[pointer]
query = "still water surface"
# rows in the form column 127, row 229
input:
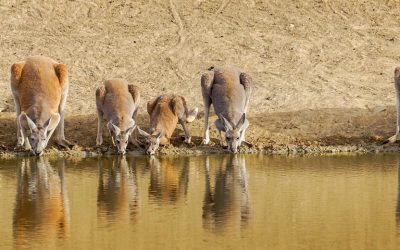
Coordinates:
column 214, row 202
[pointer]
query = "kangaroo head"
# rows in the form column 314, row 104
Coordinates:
column 120, row 138
column 39, row 134
column 233, row 132
column 152, row 140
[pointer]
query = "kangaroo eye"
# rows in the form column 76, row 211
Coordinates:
column 118, row 140
column 237, row 138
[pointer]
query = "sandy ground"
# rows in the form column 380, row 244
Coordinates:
column 322, row 70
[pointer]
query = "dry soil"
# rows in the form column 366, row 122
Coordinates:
column 322, row 70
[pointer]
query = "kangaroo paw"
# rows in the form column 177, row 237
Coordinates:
column 20, row 142
column 188, row 140
column 205, row 141
column 63, row 143
column 99, row 142
column 392, row 139
column 21, row 148
column 247, row 144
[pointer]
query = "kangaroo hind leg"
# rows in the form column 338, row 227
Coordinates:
column 16, row 72
column 62, row 74
column 178, row 108
column 207, row 80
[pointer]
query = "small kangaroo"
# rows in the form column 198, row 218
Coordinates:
column 165, row 112
column 118, row 103
column 40, row 88
column 396, row 137
column 228, row 89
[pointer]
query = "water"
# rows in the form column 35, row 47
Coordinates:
column 213, row 202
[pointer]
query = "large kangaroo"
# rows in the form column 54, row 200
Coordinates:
column 40, row 88
column 118, row 103
column 228, row 89
column 165, row 112
column 396, row 137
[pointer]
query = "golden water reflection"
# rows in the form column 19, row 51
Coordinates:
column 41, row 210
column 117, row 195
column 169, row 179
column 226, row 202
column 216, row 201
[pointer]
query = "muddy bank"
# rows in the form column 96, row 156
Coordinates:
column 308, row 131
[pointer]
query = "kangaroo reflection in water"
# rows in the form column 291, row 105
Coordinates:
column 227, row 203
column 41, row 207
column 398, row 198
column 169, row 179
column 117, row 192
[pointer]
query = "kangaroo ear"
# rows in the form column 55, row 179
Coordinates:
column 113, row 128
column 228, row 126
column 26, row 122
column 160, row 133
column 142, row 132
column 240, row 123
column 130, row 130
column 52, row 122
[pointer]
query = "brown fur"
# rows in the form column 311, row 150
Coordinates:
column 62, row 73
column 397, row 72
column 134, row 90
column 228, row 89
column 40, row 89
column 16, row 71
column 118, row 103
column 163, row 112
column 39, row 85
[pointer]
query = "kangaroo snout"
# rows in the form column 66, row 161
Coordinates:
column 233, row 149
column 150, row 152
column 38, row 152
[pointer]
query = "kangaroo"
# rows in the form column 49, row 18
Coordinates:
column 118, row 103
column 168, row 179
column 41, row 202
column 226, row 202
column 228, row 89
column 40, row 88
column 165, row 112
column 396, row 137
column 117, row 194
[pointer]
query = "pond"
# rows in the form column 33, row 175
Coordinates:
column 214, row 202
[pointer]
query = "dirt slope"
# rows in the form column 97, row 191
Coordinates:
column 322, row 70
